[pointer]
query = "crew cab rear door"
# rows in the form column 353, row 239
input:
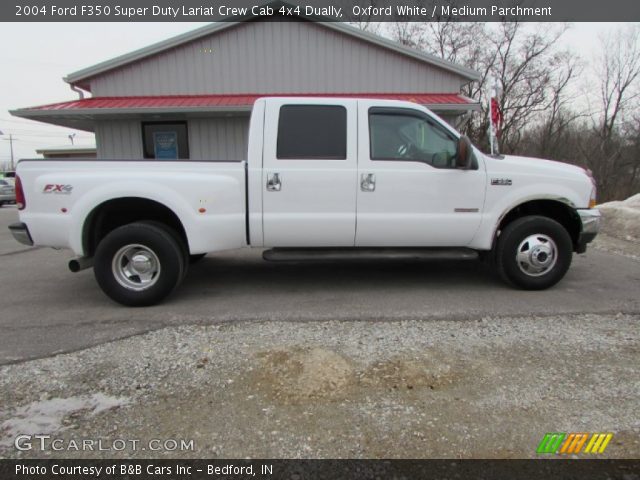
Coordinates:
column 410, row 193
column 309, row 172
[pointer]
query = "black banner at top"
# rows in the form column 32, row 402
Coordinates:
column 320, row 10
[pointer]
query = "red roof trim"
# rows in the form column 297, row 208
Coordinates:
column 239, row 100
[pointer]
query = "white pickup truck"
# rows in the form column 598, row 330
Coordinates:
column 325, row 178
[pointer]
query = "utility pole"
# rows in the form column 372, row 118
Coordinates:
column 12, row 165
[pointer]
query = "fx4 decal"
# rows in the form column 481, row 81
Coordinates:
column 57, row 188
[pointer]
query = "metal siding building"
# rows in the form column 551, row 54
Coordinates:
column 268, row 57
column 208, row 78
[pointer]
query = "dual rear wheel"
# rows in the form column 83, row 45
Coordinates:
column 141, row 263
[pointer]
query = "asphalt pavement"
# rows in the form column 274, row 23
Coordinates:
column 45, row 309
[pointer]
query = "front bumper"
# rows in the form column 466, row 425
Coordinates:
column 20, row 232
column 591, row 220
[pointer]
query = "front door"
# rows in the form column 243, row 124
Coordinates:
column 309, row 173
column 410, row 193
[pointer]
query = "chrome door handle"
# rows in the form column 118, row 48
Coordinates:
column 367, row 182
column 273, row 182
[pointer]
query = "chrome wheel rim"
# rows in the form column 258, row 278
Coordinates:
column 537, row 255
column 136, row 267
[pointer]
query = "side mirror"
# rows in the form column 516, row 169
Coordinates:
column 464, row 153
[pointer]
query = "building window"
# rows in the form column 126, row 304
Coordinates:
column 405, row 135
column 312, row 132
column 165, row 140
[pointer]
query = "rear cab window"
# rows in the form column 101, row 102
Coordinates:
column 313, row 132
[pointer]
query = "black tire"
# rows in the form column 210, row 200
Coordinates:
column 143, row 237
column 179, row 240
column 538, row 240
column 196, row 258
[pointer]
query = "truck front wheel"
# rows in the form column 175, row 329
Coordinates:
column 139, row 264
column 533, row 252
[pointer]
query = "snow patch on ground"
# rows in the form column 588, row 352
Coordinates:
column 622, row 218
column 47, row 416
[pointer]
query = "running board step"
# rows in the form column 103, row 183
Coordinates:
column 333, row 254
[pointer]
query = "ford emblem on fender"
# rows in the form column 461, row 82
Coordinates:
column 501, row 181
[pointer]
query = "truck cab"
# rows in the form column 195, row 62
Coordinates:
column 389, row 168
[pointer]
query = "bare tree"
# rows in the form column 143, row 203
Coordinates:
column 559, row 116
column 458, row 42
column 532, row 73
column 409, row 34
column 364, row 21
column 610, row 151
column 619, row 64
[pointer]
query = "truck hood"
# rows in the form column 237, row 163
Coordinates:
column 531, row 165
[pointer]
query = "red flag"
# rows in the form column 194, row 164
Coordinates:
column 496, row 116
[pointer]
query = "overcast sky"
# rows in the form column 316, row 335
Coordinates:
column 35, row 56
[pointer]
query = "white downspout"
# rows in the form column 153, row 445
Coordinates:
column 77, row 90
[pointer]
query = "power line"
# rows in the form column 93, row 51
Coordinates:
column 44, row 133
column 20, row 131
column 44, row 128
column 38, row 128
column 12, row 120
column 41, row 142
column 37, row 134
column 31, row 130
column 22, row 120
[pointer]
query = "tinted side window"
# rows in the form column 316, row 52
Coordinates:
column 312, row 132
column 403, row 136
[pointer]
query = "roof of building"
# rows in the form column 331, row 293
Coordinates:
column 192, row 102
column 80, row 113
column 78, row 78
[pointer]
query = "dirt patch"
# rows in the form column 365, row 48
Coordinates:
column 296, row 376
column 409, row 373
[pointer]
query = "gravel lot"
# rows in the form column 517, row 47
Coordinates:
column 485, row 388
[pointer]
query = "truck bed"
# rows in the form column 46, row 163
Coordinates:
column 209, row 197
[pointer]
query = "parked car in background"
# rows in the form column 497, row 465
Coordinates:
column 9, row 177
column 7, row 192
